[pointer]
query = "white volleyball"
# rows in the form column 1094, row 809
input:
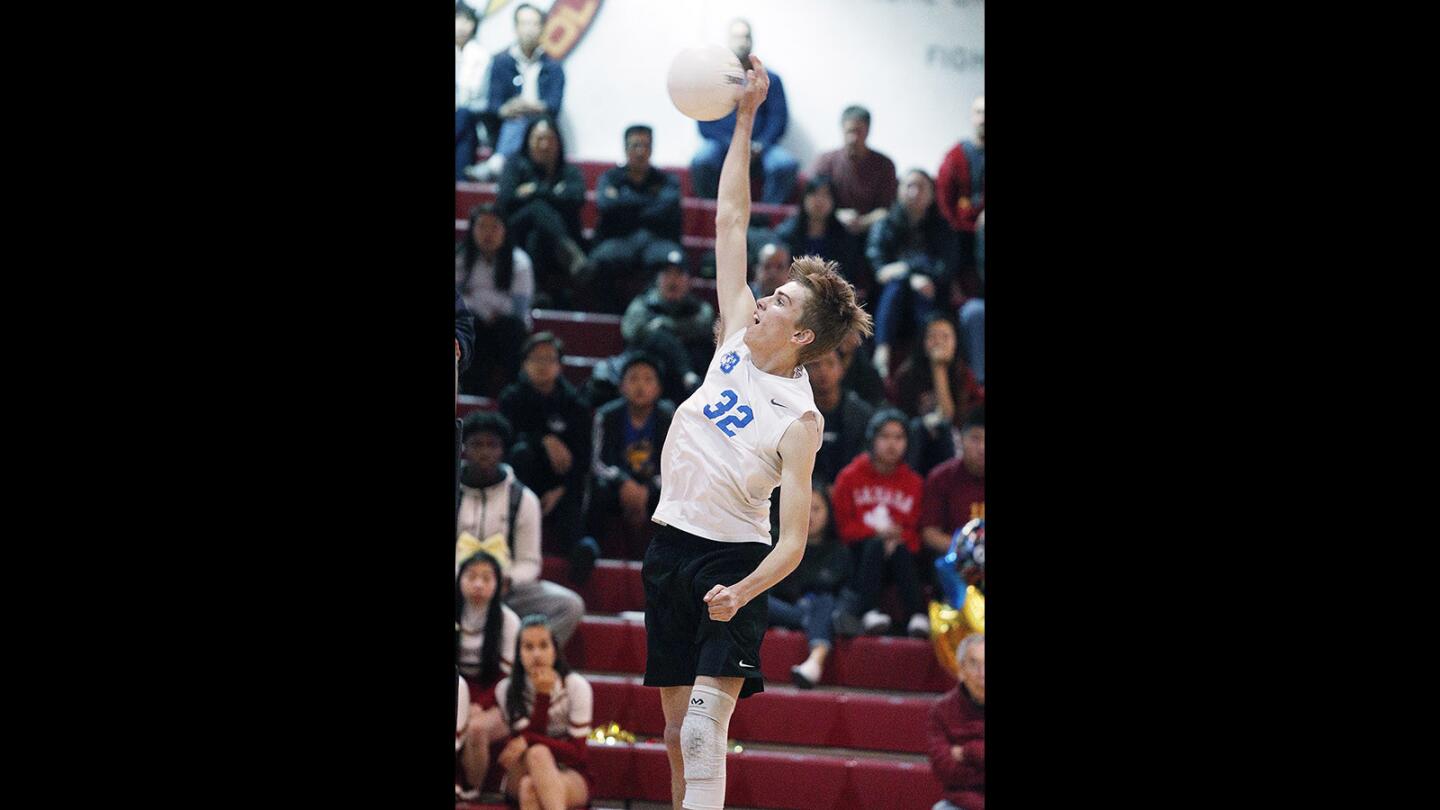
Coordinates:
column 705, row 82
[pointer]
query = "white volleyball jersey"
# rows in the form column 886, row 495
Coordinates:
column 722, row 454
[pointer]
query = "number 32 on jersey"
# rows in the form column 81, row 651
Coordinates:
column 719, row 409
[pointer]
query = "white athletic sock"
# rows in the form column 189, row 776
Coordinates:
column 702, row 745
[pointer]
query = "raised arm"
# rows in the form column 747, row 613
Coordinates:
column 732, row 211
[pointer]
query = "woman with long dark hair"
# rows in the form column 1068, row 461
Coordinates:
column 497, row 281
column 540, row 197
column 910, row 250
column 937, row 388
column 485, row 629
column 549, row 709
column 814, row 230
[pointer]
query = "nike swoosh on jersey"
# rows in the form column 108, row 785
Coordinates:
column 776, row 404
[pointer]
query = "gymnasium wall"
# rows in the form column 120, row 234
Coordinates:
column 916, row 64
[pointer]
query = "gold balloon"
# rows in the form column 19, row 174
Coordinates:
column 611, row 734
column 949, row 626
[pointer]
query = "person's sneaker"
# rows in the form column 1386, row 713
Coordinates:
column 845, row 623
column 919, row 626
column 876, row 623
column 582, row 559
column 805, row 677
column 463, row 795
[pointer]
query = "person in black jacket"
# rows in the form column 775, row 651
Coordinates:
column 552, row 440
column 845, row 413
column 911, row 251
column 627, row 439
column 806, row 599
column 814, row 230
column 639, row 226
column 540, row 197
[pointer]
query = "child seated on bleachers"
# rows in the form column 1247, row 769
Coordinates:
column 805, row 600
column 548, row 709
column 485, row 629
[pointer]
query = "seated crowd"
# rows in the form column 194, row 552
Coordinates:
column 554, row 466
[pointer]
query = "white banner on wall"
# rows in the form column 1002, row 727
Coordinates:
column 915, row 64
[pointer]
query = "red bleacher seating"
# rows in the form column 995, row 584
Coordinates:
column 585, row 334
column 783, row 715
column 612, row 644
column 771, row 779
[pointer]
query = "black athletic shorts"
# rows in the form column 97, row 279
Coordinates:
column 681, row 639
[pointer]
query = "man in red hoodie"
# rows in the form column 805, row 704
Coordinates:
column 957, row 732
column 876, row 500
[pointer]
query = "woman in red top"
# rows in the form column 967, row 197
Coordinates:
column 549, row 709
column 935, row 386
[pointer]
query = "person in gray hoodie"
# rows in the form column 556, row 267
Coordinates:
column 493, row 501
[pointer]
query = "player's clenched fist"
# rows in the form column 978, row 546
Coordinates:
column 724, row 603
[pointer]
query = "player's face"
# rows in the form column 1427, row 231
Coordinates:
column 485, row 451
column 972, row 671
column 544, row 146
column 637, row 151
column 890, row 443
column 825, row 372
column 972, row 444
column 542, row 366
column 536, row 650
column 478, row 584
column 464, row 29
column 489, row 233
column 527, row 28
column 855, row 131
column 819, row 203
column 641, row 386
column 819, row 516
column 777, row 316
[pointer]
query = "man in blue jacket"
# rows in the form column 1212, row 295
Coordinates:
column 525, row 83
column 780, row 166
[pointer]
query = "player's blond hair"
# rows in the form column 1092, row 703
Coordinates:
column 831, row 311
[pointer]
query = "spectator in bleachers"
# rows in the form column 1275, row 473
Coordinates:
column 464, row 334
column 669, row 308
column 526, row 83
column 541, row 196
column 815, row 230
column 552, row 448
column 909, row 250
column 865, row 181
column 860, row 373
column 639, row 225
column 772, row 268
column 470, row 60
column 934, row 387
column 549, row 709
column 846, row 417
column 497, row 281
column 493, row 501
column 778, row 165
column 485, row 634
column 957, row 732
column 877, row 507
column 805, row 600
column 629, row 435
column 960, row 187
column 954, row 490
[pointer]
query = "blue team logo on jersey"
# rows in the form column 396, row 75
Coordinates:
column 728, row 361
